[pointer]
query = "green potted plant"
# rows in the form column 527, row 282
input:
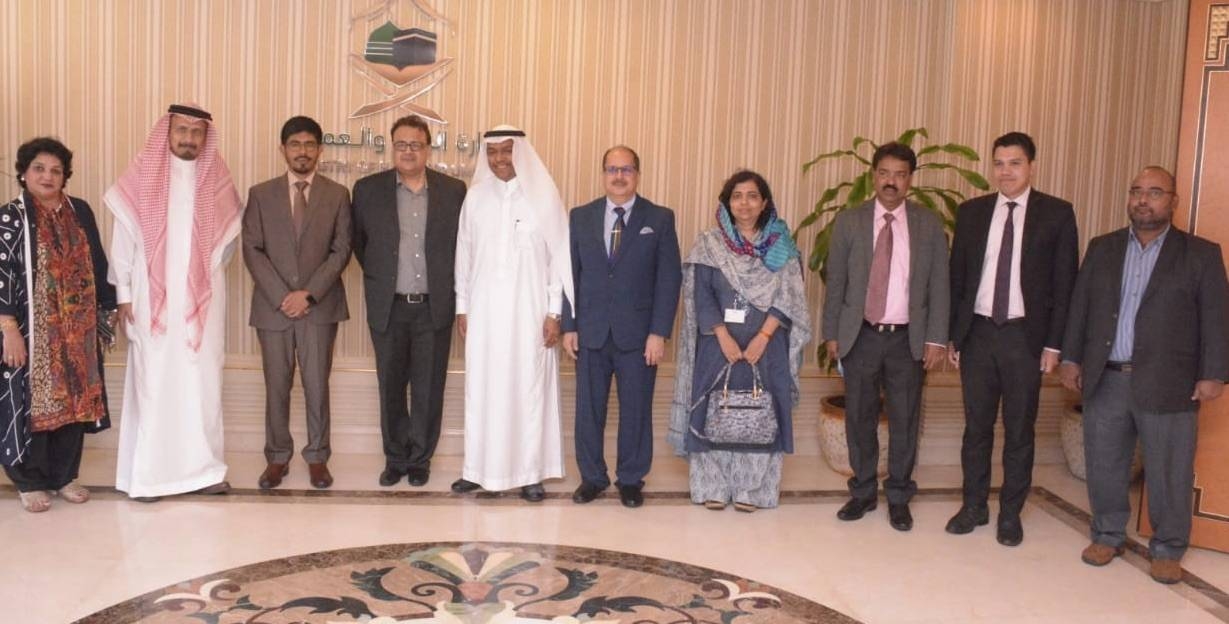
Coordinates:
column 850, row 193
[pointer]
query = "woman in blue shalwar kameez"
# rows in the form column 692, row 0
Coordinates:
column 743, row 299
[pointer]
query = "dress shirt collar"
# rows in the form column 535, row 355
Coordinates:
column 1021, row 200
column 1156, row 242
column 627, row 206
column 898, row 215
column 293, row 177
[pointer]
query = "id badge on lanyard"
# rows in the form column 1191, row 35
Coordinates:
column 737, row 313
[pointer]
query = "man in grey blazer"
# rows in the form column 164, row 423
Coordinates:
column 296, row 242
column 885, row 320
column 405, row 238
column 1145, row 345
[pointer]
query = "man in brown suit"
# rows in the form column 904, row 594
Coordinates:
column 296, row 242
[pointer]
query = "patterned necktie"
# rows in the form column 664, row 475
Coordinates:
column 1002, row 271
column 616, row 232
column 299, row 210
column 881, row 272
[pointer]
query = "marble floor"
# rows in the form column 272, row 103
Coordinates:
column 74, row 561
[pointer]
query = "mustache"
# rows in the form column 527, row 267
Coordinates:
column 890, row 187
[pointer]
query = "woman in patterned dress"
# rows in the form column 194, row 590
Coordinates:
column 53, row 290
column 743, row 299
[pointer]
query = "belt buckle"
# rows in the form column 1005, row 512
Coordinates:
column 414, row 297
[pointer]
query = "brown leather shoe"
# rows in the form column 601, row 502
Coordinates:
column 320, row 476
column 1167, row 571
column 221, row 487
column 1099, row 554
column 272, row 476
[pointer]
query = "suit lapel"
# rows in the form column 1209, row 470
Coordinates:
column 1166, row 262
column 983, row 214
column 1118, row 256
column 1032, row 220
column 314, row 200
column 914, row 219
column 281, row 209
column 632, row 232
column 596, row 213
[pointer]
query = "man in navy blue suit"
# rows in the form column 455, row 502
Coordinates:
column 627, row 272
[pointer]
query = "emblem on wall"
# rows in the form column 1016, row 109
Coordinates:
column 401, row 63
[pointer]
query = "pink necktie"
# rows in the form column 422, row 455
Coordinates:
column 881, row 271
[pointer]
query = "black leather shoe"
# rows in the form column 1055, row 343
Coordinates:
column 390, row 476
column 586, row 493
column 533, row 493
column 967, row 519
column 631, row 496
column 418, row 477
column 1011, row 532
column 899, row 517
column 856, row 508
column 461, row 486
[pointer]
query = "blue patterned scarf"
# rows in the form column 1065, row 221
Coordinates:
column 775, row 246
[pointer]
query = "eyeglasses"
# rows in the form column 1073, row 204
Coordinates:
column 1152, row 194
column 626, row 170
column 307, row 146
column 413, row 146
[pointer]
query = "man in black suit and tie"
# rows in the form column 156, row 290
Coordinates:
column 885, row 319
column 1145, row 344
column 405, row 238
column 296, row 242
column 627, row 273
column 1014, row 259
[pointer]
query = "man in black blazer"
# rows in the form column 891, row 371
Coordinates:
column 405, row 238
column 627, row 273
column 1145, row 344
column 1014, row 260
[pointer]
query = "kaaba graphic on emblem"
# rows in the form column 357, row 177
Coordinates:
column 402, row 63
column 400, row 48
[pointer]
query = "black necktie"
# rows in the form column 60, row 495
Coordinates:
column 616, row 232
column 1002, row 272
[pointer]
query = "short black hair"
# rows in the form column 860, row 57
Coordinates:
column 413, row 121
column 43, row 145
column 747, row 175
column 896, row 150
column 635, row 156
column 298, row 124
column 1019, row 139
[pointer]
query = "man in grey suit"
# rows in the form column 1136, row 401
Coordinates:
column 885, row 319
column 1145, row 344
column 405, row 238
column 296, row 242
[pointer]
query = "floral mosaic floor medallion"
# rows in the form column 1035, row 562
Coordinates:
column 469, row 583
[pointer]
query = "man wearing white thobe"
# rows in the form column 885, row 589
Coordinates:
column 177, row 217
column 512, row 269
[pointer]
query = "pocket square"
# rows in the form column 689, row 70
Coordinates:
column 646, row 230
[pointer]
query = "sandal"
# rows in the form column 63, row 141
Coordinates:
column 714, row 505
column 74, row 493
column 35, row 502
column 744, row 507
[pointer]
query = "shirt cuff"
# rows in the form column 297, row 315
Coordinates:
column 123, row 294
column 462, row 305
column 1052, row 350
column 935, row 344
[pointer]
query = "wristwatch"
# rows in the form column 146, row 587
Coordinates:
column 311, row 300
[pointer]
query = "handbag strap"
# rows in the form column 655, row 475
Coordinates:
column 723, row 379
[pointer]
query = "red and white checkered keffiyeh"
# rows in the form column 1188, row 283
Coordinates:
column 144, row 188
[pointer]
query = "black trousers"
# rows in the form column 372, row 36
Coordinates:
column 52, row 459
column 411, row 353
column 880, row 364
column 997, row 367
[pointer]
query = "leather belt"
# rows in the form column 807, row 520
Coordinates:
column 983, row 317
column 1122, row 367
column 886, row 327
column 414, row 297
